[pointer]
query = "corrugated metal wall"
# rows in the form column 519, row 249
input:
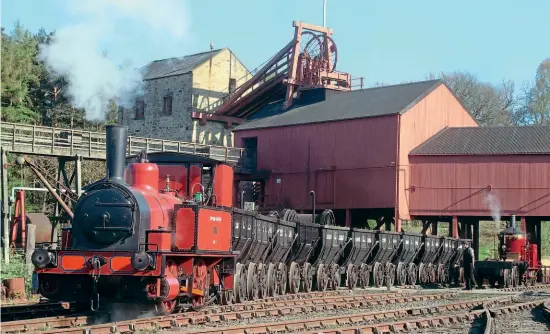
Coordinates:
column 455, row 185
column 436, row 111
column 350, row 164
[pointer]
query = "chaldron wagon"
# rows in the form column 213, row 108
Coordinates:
column 411, row 245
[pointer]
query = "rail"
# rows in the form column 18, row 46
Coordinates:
column 41, row 140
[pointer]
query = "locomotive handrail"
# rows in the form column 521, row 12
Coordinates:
column 43, row 140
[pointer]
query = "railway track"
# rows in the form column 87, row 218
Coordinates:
column 280, row 307
column 34, row 310
column 224, row 314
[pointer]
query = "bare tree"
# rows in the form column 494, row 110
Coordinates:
column 490, row 104
column 535, row 107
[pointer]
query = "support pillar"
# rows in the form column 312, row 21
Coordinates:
column 348, row 218
column 5, row 208
column 469, row 234
column 523, row 225
column 397, row 225
column 388, row 225
column 453, row 230
column 475, row 239
column 538, row 228
column 434, row 228
column 30, row 243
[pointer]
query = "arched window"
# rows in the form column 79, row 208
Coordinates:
column 140, row 109
column 167, row 106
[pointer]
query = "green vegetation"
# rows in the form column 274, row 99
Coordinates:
column 18, row 268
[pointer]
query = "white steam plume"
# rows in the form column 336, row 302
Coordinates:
column 77, row 51
column 492, row 203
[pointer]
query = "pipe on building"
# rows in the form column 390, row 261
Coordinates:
column 312, row 193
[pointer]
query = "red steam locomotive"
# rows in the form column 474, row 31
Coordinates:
column 142, row 241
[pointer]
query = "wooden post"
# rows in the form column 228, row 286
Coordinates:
column 78, row 175
column 348, row 218
column 475, row 239
column 5, row 208
column 30, row 245
column 454, row 227
column 434, row 227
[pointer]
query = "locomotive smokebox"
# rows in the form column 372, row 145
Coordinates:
column 117, row 137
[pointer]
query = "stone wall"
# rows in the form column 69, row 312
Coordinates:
column 194, row 91
column 178, row 125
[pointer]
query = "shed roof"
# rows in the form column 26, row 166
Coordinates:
column 371, row 102
column 487, row 141
column 176, row 66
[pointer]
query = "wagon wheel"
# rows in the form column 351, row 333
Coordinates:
column 351, row 274
column 401, row 274
column 272, row 283
column 227, row 297
column 364, row 276
column 412, row 274
column 322, row 278
column 307, row 279
column 378, row 274
column 515, row 276
column 252, row 283
column 262, row 280
column 390, row 270
column 282, row 278
column 335, row 277
column 422, row 273
column 294, row 278
column 441, row 274
column 239, row 284
column 507, row 278
column 430, row 273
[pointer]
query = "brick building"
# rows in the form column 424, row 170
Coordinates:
column 174, row 88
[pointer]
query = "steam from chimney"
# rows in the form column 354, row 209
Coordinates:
column 492, row 203
column 77, row 50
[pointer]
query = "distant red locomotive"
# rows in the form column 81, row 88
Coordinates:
column 141, row 240
column 517, row 263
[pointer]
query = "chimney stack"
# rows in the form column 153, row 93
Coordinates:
column 117, row 137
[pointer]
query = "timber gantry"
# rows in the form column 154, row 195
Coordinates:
column 41, row 140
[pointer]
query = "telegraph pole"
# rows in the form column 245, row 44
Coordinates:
column 325, row 13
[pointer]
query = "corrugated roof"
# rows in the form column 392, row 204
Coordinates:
column 487, row 141
column 363, row 103
column 175, row 66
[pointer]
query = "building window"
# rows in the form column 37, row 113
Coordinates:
column 167, row 107
column 232, row 85
column 140, row 109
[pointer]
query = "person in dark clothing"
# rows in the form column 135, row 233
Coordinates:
column 468, row 260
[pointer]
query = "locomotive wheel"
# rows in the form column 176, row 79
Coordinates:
column 239, row 284
column 252, row 284
column 351, row 273
column 515, row 276
column 165, row 307
column 262, row 280
column 378, row 274
column 282, row 278
column 294, row 277
column 272, row 284
column 390, row 271
column 401, row 274
column 335, row 277
column 364, row 276
column 507, row 278
column 412, row 274
column 200, row 281
column 322, row 278
column 307, row 281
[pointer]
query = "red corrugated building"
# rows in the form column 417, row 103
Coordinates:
column 352, row 148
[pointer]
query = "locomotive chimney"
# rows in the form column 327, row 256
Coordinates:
column 116, row 152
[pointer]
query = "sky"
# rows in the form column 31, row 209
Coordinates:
column 383, row 41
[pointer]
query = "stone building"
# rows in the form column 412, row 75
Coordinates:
column 174, row 88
